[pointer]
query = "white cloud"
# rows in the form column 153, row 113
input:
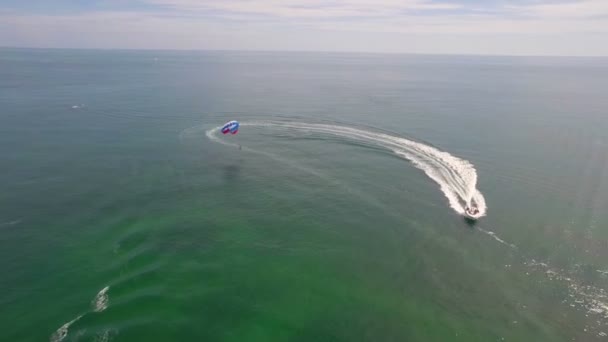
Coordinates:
column 306, row 9
column 338, row 25
column 574, row 9
column 404, row 17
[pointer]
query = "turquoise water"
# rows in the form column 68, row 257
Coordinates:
column 124, row 216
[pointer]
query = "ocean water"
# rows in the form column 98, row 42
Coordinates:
column 334, row 215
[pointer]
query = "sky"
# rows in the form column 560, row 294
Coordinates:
column 486, row 27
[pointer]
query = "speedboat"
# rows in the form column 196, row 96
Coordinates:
column 471, row 212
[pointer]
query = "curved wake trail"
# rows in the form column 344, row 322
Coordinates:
column 456, row 177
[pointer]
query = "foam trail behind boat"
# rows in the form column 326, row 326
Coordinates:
column 456, row 177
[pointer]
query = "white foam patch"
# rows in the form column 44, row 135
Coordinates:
column 592, row 299
column 62, row 332
column 212, row 135
column 104, row 336
column 456, row 177
column 101, row 300
column 497, row 238
column 99, row 304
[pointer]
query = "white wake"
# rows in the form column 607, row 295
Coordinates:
column 101, row 300
column 456, row 177
column 99, row 304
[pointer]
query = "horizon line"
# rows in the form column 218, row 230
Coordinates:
column 302, row 51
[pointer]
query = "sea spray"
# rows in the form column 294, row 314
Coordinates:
column 99, row 304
